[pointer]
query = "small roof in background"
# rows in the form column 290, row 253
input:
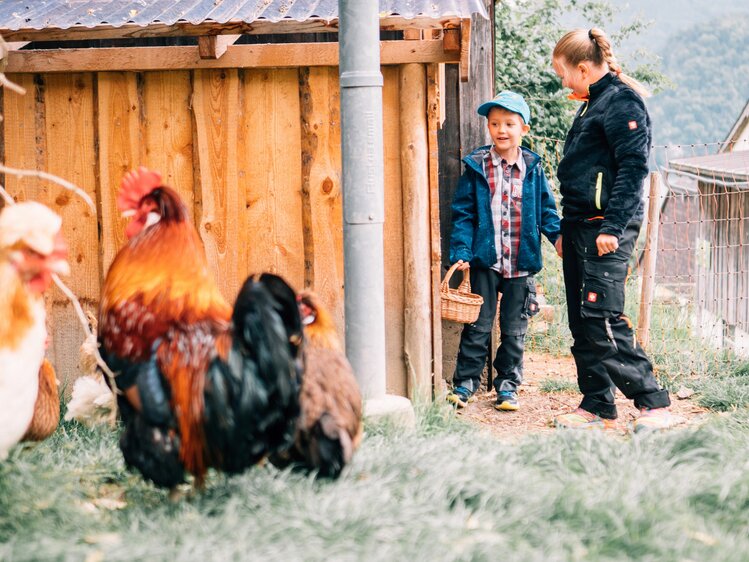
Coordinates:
column 734, row 139
column 724, row 168
column 65, row 14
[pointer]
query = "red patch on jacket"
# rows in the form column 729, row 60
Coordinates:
column 592, row 297
column 632, row 125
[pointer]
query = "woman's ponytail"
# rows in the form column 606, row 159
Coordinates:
column 594, row 46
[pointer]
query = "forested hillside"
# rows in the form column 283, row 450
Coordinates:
column 709, row 67
column 669, row 17
column 703, row 47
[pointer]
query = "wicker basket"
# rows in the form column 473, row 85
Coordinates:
column 459, row 305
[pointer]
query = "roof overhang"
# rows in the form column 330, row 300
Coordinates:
column 186, row 29
column 727, row 169
column 736, row 132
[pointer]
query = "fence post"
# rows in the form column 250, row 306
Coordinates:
column 649, row 260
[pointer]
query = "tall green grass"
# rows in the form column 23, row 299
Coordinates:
column 441, row 492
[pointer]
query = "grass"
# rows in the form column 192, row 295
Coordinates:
column 553, row 386
column 725, row 392
column 441, row 492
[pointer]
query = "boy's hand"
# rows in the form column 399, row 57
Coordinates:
column 606, row 243
column 558, row 246
column 462, row 265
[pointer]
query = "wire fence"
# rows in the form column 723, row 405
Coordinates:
column 691, row 305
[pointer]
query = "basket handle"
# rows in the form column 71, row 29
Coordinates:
column 465, row 285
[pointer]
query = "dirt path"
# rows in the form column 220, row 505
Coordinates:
column 537, row 409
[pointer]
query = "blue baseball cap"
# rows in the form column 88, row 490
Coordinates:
column 509, row 101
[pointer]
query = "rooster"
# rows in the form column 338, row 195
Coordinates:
column 329, row 427
column 201, row 384
column 31, row 250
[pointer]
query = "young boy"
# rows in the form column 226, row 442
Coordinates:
column 501, row 206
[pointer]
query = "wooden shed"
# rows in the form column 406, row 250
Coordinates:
column 722, row 247
column 236, row 102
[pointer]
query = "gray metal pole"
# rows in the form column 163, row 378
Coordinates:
column 363, row 192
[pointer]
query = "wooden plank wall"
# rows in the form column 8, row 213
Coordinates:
column 255, row 154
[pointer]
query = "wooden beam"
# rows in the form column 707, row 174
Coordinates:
column 213, row 46
column 465, row 49
column 435, row 111
column 451, row 40
column 16, row 45
column 413, row 34
column 417, row 278
column 237, row 56
column 183, row 29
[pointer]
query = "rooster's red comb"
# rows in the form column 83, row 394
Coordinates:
column 135, row 185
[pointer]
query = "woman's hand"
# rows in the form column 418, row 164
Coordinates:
column 462, row 265
column 558, row 246
column 606, row 243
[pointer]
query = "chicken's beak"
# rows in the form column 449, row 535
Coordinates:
column 307, row 313
column 57, row 261
column 59, row 266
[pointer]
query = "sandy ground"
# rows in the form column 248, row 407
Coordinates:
column 537, row 409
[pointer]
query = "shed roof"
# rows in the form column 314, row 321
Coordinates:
column 738, row 131
column 727, row 168
column 17, row 15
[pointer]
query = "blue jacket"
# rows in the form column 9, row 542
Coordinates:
column 472, row 238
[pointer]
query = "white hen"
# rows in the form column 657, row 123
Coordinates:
column 31, row 249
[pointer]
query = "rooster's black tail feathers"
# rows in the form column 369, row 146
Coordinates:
column 251, row 399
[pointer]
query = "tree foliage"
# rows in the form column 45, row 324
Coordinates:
column 526, row 32
column 708, row 65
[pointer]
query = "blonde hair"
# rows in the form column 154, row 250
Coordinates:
column 580, row 45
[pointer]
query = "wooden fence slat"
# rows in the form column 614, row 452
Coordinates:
column 20, row 139
column 393, row 234
column 69, row 117
column 222, row 223
column 322, row 154
column 270, row 172
column 649, row 260
column 168, row 131
column 119, row 152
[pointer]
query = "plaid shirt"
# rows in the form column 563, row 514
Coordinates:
column 506, row 186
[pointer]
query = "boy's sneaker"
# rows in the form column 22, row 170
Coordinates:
column 460, row 397
column 655, row 419
column 507, row 400
column 582, row 419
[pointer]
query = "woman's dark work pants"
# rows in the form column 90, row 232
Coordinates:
column 517, row 304
column 604, row 346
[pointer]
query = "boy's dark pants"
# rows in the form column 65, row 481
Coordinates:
column 604, row 347
column 518, row 296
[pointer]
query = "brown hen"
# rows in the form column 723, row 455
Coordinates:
column 47, row 406
column 329, row 427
